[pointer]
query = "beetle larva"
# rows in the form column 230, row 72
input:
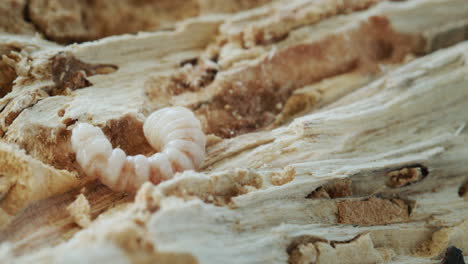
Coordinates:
column 175, row 131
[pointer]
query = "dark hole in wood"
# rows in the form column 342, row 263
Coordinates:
column 453, row 255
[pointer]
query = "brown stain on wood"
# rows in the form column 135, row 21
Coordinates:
column 70, row 73
column 373, row 211
column 335, row 189
column 250, row 99
column 406, row 176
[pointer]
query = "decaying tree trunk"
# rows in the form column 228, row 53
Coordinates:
column 336, row 130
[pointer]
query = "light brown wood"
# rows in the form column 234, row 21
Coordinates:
column 336, row 133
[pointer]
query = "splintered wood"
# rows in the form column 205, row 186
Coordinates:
column 335, row 130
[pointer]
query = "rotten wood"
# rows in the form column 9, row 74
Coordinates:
column 336, row 131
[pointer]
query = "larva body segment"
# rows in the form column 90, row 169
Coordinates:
column 174, row 131
column 161, row 167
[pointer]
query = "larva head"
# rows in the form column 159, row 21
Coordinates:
column 164, row 121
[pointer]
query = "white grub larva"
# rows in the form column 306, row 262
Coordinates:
column 174, row 131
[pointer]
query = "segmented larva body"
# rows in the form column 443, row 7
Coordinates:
column 174, row 131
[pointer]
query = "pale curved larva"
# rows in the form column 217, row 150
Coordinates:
column 174, row 131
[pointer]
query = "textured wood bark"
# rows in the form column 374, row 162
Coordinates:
column 336, row 131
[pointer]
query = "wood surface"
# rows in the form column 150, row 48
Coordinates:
column 336, row 130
